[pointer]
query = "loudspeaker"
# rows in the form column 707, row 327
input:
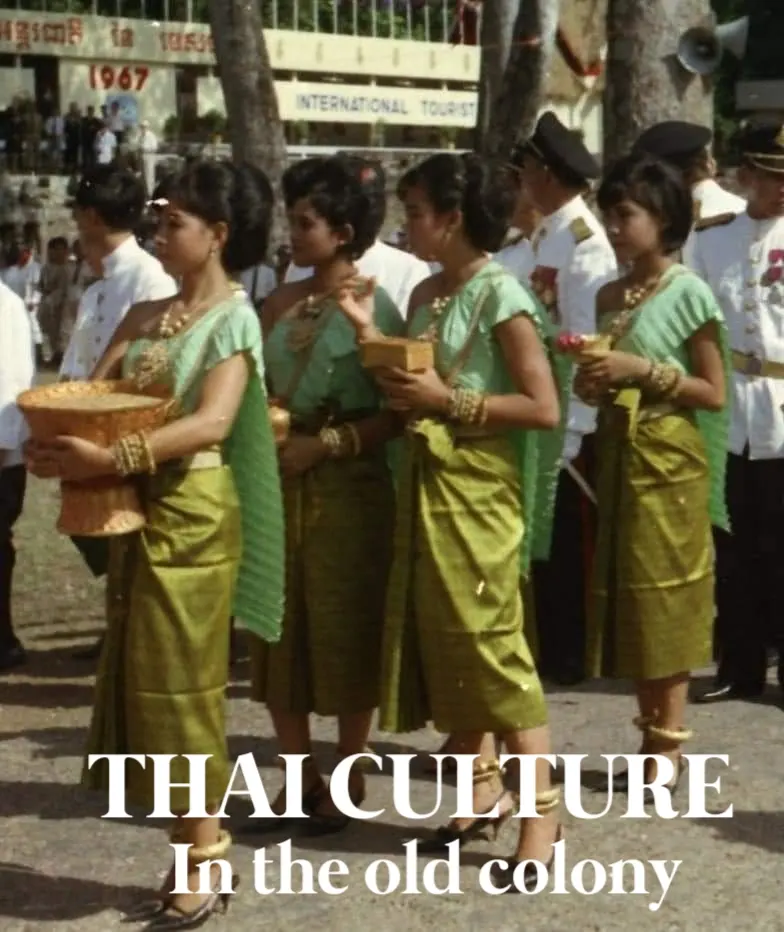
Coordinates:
column 700, row 49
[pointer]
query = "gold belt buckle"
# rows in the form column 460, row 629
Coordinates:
column 753, row 365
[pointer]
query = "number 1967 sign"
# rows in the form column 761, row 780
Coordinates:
column 129, row 78
column 147, row 90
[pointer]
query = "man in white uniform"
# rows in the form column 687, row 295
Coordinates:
column 105, row 146
column 517, row 254
column 148, row 150
column 23, row 277
column 17, row 370
column 397, row 272
column 741, row 256
column 107, row 207
column 572, row 259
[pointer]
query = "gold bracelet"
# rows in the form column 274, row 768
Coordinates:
column 132, row 455
column 354, row 438
column 663, row 381
column 467, row 406
column 150, row 466
column 334, row 441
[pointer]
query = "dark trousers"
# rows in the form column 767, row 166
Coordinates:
column 749, row 566
column 561, row 583
column 12, row 491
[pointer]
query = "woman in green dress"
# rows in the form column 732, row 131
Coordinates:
column 214, row 535
column 337, row 485
column 468, row 515
column 662, row 445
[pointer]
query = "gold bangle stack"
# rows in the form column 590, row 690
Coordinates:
column 132, row 455
column 341, row 442
column 468, row 407
column 663, row 381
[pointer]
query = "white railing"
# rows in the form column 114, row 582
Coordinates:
column 424, row 20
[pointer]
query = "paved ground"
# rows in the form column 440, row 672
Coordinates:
column 62, row 867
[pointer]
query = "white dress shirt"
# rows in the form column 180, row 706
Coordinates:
column 105, row 147
column 742, row 261
column 397, row 272
column 25, row 281
column 518, row 259
column 571, row 249
column 710, row 200
column 259, row 282
column 130, row 275
column 17, row 371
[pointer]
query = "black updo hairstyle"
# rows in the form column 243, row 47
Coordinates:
column 658, row 187
column 485, row 192
column 338, row 191
column 218, row 191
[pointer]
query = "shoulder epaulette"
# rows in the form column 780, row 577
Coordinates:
column 720, row 220
column 514, row 240
column 580, row 230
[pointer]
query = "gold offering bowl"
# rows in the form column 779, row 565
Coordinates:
column 102, row 412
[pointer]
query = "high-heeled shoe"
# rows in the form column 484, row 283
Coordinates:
column 620, row 781
column 546, row 802
column 310, row 799
column 446, row 834
column 448, row 765
column 674, row 738
column 149, row 909
column 174, row 918
column 331, row 823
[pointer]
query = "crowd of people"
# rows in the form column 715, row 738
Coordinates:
column 426, row 545
column 36, row 137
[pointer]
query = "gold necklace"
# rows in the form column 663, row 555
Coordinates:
column 154, row 362
column 634, row 295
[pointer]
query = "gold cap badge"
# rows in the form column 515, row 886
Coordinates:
column 779, row 140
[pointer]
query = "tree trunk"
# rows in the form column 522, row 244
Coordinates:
column 645, row 83
column 254, row 124
column 523, row 89
column 498, row 20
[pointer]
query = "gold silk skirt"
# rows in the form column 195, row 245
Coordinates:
column 652, row 600
column 163, row 672
column 454, row 648
column 339, row 521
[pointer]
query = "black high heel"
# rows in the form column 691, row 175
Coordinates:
column 172, row 918
column 673, row 738
column 149, row 909
column 504, row 876
column 310, row 799
column 620, row 781
column 332, row 823
column 446, row 834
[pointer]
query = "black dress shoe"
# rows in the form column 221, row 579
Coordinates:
column 12, row 657
column 727, row 693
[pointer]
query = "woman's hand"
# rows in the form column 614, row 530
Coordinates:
column 420, row 391
column 613, row 368
column 68, row 458
column 299, row 455
column 356, row 299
